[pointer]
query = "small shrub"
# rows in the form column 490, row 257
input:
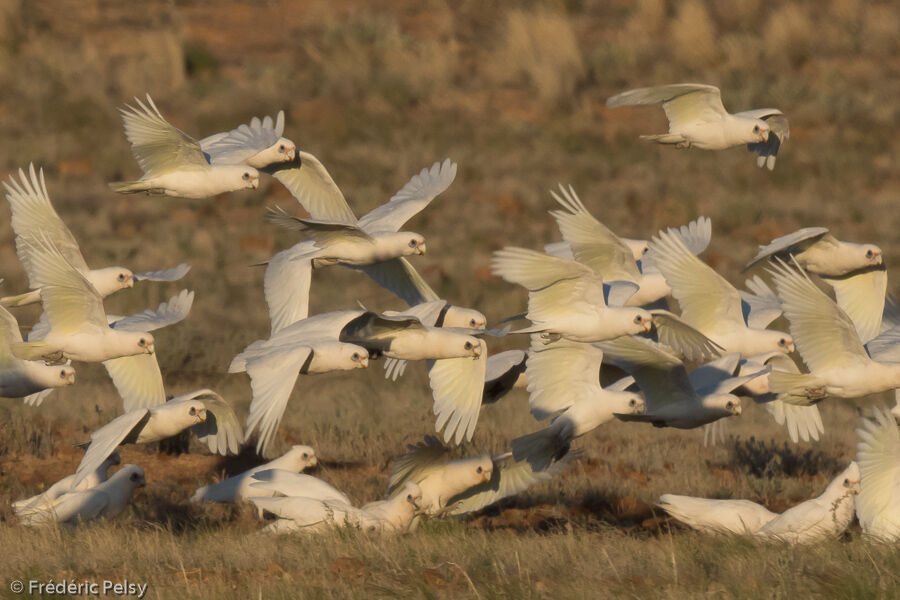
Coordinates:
column 768, row 459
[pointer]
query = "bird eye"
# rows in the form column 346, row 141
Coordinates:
column 846, row 483
column 472, row 323
column 409, row 497
column 869, row 254
column 245, row 176
column 122, row 275
column 305, row 455
column 142, row 342
column 638, row 320
column 193, row 411
column 468, row 346
column 355, row 356
column 281, row 148
column 782, row 342
column 756, row 129
column 632, row 402
column 729, row 405
column 134, row 476
column 62, row 373
column 479, row 470
column 413, row 243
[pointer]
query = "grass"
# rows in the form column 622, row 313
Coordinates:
column 516, row 94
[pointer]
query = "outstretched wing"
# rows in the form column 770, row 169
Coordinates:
column 309, row 182
column 243, row 142
column 104, row 441
column 221, row 432
column 878, row 455
column 417, row 463
column 458, row 385
column 167, row 313
column 173, row 274
column 157, row 145
column 787, row 244
column 684, row 103
column 412, row 198
column 861, row 295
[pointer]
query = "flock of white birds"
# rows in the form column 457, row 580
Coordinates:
column 597, row 307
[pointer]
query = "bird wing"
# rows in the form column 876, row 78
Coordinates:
column 672, row 331
column 104, row 441
column 410, row 199
column 823, row 333
column 788, row 243
column 167, row 313
column 33, row 216
column 288, row 483
column 886, row 346
column 458, row 385
column 861, row 296
column 287, row 283
column 235, row 146
column 708, row 302
column 138, row 380
column 158, row 146
column 760, row 305
column 508, row 478
column 221, row 431
column 559, row 374
column 592, row 242
column 69, row 299
column 500, row 364
column 421, row 459
column 878, row 455
column 398, row 276
column 9, row 334
column 323, row 232
column 315, row 190
column 661, row 376
column 684, row 103
column 696, row 235
column 272, row 378
column 173, row 274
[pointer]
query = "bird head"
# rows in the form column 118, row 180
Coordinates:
column 784, row 343
column 472, row 347
column 249, row 178
column 304, row 457
column 760, row 131
column 457, row 316
column 629, row 403
column 286, row 149
column 413, row 494
column 872, row 254
column 642, row 320
column 145, row 343
column 197, row 411
column 67, row 375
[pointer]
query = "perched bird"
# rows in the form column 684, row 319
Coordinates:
column 373, row 243
column 878, row 455
column 206, row 413
column 105, row 500
column 65, row 486
column 27, row 379
column 78, row 325
column 698, row 119
column 709, row 303
column 829, row 344
column 173, row 162
column 717, row 516
column 673, row 397
column 258, row 144
column 826, row 516
column 34, row 217
column 311, row 515
column 235, row 488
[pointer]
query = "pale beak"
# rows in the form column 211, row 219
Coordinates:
column 291, row 153
column 879, row 259
column 151, row 348
column 202, row 415
column 477, row 350
column 738, row 409
column 254, row 182
column 486, row 476
column 420, row 249
column 364, row 362
column 790, row 347
column 130, row 282
column 648, row 325
column 313, row 462
column 764, row 135
column 640, row 409
column 70, row 380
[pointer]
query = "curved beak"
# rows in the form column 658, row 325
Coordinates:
column 202, row 415
column 130, row 282
column 291, row 152
column 648, row 325
column 151, row 348
column 313, row 462
column 477, row 351
column 70, row 379
column 420, row 249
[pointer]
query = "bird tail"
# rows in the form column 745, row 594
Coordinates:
column 664, row 138
column 129, row 187
column 540, row 448
column 30, row 350
column 797, row 388
column 22, row 299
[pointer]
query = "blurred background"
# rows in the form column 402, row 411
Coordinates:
column 513, row 91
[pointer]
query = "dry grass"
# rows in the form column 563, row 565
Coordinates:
column 377, row 93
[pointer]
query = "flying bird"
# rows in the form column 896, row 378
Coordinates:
column 204, row 412
column 29, row 379
column 173, row 162
column 878, row 455
column 819, row 252
column 698, row 119
column 373, row 243
column 33, row 216
column 258, row 144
